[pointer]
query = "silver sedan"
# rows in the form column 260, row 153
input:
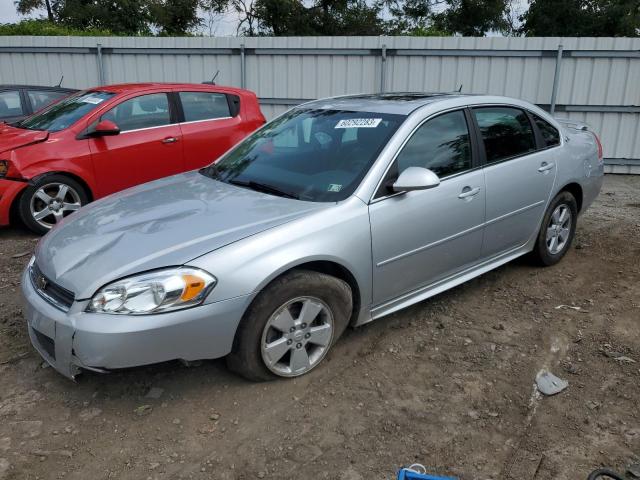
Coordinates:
column 339, row 212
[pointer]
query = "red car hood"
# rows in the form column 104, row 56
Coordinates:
column 12, row 138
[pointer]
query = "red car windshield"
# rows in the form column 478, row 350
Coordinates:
column 65, row 113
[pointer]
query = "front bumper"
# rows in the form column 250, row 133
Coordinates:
column 9, row 190
column 75, row 340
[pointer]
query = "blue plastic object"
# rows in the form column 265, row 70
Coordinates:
column 407, row 474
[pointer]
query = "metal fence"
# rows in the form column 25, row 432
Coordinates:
column 596, row 80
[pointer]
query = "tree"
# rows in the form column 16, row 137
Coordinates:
column 123, row 17
column 174, row 17
column 582, row 18
column 473, row 18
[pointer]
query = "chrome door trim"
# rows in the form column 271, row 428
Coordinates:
column 147, row 128
column 205, row 120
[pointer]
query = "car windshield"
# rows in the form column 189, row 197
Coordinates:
column 314, row 155
column 65, row 113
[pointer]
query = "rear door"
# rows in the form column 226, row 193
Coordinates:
column 210, row 125
column 147, row 148
column 519, row 177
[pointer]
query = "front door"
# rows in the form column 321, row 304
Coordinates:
column 519, row 178
column 148, row 147
column 421, row 237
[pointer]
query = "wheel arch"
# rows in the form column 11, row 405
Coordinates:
column 71, row 175
column 574, row 189
column 328, row 267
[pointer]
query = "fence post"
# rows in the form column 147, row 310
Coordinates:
column 101, row 79
column 383, row 68
column 556, row 81
column 242, row 67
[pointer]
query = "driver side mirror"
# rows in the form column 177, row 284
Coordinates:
column 105, row 128
column 415, row 178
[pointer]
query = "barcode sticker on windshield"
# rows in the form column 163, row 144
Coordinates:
column 93, row 100
column 359, row 123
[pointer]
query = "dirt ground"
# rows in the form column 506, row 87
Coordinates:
column 448, row 383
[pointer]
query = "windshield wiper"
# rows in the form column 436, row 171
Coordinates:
column 263, row 187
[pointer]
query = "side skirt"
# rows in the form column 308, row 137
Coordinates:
column 428, row 291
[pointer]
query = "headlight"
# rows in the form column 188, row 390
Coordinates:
column 4, row 168
column 154, row 292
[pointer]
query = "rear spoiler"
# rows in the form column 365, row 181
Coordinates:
column 574, row 124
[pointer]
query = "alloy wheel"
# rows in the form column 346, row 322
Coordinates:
column 52, row 202
column 559, row 229
column 297, row 336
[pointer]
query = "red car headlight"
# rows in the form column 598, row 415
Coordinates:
column 4, row 168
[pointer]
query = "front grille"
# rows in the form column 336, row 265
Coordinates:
column 46, row 343
column 55, row 294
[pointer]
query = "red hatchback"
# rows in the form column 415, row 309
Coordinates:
column 106, row 139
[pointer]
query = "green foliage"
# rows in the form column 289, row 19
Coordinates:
column 46, row 28
column 472, row 18
column 174, row 17
column 582, row 18
column 333, row 17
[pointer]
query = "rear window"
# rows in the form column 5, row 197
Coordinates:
column 550, row 135
column 204, row 106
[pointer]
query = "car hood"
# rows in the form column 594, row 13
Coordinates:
column 159, row 224
column 12, row 138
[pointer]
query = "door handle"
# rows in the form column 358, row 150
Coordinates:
column 169, row 140
column 545, row 167
column 468, row 192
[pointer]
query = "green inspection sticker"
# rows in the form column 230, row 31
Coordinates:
column 334, row 187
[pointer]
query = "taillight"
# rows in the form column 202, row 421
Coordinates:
column 600, row 153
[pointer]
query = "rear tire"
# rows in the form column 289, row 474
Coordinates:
column 557, row 230
column 50, row 199
column 290, row 326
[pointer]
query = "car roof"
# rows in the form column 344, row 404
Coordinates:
column 137, row 87
column 39, row 87
column 402, row 103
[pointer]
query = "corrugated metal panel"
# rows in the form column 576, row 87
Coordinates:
column 595, row 72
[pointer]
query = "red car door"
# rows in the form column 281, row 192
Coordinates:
column 211, row 126
column 148, row 147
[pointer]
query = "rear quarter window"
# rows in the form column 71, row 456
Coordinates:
column 550, row 135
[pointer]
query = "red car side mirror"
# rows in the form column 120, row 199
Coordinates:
column 106, row 128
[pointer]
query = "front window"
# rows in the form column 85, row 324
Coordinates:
column 145, row 111
column 66, row 112
column 314, row 155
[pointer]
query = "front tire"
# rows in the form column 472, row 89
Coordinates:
column 50, row 199
column 290, row 326
column 557, row 230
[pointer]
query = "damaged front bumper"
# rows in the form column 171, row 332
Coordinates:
column 73, row 340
